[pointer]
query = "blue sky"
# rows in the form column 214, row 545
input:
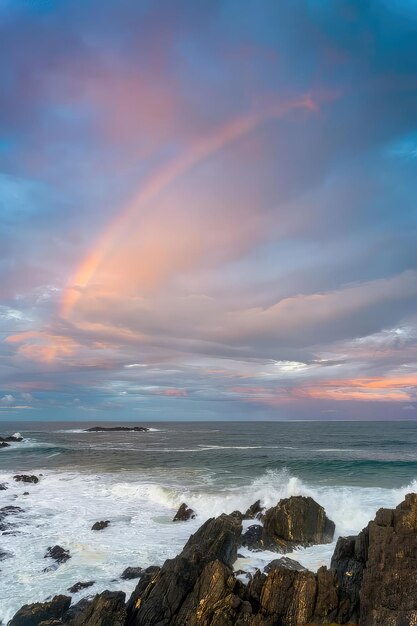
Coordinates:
column 208, row 210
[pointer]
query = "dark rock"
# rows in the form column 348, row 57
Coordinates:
column 24, row 478
column 348, row 562
column 12, row 438
column 252, row 538
column 5, row 512
column 79, row 586
column 286, row 562
column 202, row 570
column 25, row 493
column 59, row 554
column 296, row 521
column 184, row 513
column 388, row 594
column 5, row 555
column 105, row 609
column 255, row 511
column 100, row 525
column 3, row 486
column 132, row 572
column 35, row 614
column 76, row 609
column 117, row 429
column 3, row 444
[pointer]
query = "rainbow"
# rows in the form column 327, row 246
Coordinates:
column 160, row 180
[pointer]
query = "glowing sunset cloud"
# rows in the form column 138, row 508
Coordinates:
column 160, row 180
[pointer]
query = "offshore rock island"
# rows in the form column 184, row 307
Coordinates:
column 370, row 582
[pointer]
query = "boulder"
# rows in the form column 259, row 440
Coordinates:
column 184, row 513
column 296, row 521
column 3, row 444
column 105, row 609
column 16, row 437
column 35, row 614
column 81, row 585
column 58, row 554
column 388, row 595
column 131, row 572
column 25, row 478
column 100, row 525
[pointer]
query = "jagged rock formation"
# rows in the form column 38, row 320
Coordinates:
column 371, row 582
column 388, row 594
column 100, row 525
column 25, row 478
column 184, row 513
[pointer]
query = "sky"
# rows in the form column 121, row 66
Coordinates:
column 208, row 210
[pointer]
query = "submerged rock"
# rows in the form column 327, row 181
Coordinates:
column 16, row 437
column 25, row 478
column 81, row 585
column 59, row 554
column 3, row 444
column 131, row 572
column 100, row 525
column 184, row 513
column 3, row 486
column 5, row 512
column 35, row 614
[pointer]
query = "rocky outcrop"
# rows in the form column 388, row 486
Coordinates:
column 3, row 444
column 106, row 609
column 175, row 595
column 371, row 582
column 100, row 525
column 184, row 513
column 5, row 513
column 117, row 429
column 132, row 572
column 35, row 614
column 14, row 438
column 25, row 478
column 388, row 594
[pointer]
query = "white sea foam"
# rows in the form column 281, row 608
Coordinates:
column 63, row 506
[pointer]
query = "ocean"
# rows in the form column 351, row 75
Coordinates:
column 137, row 480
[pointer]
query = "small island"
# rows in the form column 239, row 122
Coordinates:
column 105, row 429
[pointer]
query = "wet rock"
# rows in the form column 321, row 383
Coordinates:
column 286, row 562
column 100, row 525
column 117, row 429
column 3, row 486
column 348, row 562
column 184, row 513
column 132, row 572
column 35, row 614
column 59, row 554
column 388, row 594
column 5, row 512
column 5, row 555
column 105, row 609
column 196, row 578
column 255, row 511
column 81, row 585
column 3, row 444
column 252, row 538
column 296, row 521
column 14, row 438
column 25, row 478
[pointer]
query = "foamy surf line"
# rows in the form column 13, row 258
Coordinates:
column 64, row 505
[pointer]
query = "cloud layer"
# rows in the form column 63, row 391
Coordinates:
column 208, row 212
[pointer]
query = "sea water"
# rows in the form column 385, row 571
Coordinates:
column 137, row 480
